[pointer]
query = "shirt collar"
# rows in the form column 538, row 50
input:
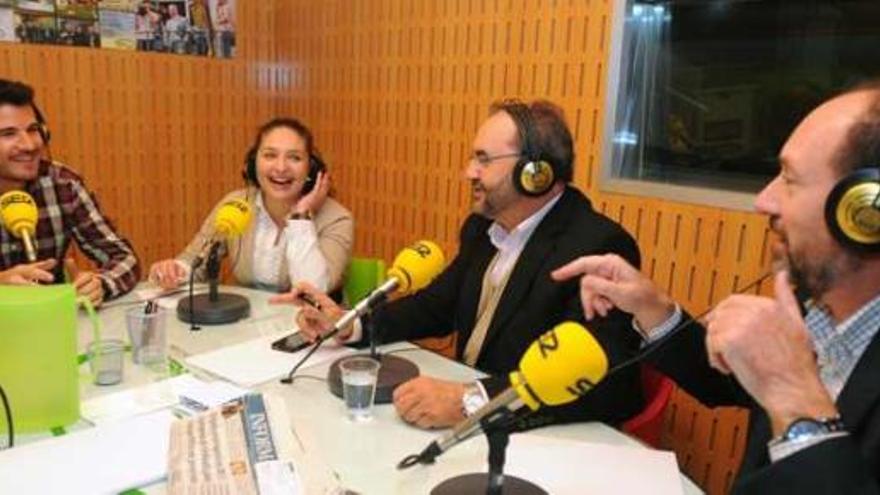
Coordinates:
column 262, row 214
column 855, row 333
column 504, row 240
column 34, row 185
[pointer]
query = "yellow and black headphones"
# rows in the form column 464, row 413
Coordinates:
column 533, row 174
column 852, row 210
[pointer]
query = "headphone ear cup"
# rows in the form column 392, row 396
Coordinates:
column 852, row 213
column 316, row 166
column 250, row 167
column 45, row 135
column 533, row 177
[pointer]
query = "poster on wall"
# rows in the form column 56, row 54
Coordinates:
column 34, row 26
column 76, row 23
column 78, row 9
column 183, row 27
column 7, row 22
column 45, row 6
column 223, row 24
column 117, row 29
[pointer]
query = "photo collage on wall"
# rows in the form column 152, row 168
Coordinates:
column 186, row 27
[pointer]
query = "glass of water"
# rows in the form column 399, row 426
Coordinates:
column 359, row 375
column 105, row 357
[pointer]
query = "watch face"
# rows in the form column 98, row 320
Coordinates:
column 804, row 427
column 472, row 401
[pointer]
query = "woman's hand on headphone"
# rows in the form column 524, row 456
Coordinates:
column 313, row 201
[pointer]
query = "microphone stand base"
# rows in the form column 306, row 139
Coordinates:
column 392, row 372
column 228, row 308
column 478, row 483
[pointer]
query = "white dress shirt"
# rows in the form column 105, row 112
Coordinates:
column 297, row 242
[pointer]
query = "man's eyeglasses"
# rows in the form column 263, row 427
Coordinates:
column 484, row 159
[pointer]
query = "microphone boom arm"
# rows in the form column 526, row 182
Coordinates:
column 363, row 307
column 499, row 408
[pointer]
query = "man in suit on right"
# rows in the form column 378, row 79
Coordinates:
column 811, row 374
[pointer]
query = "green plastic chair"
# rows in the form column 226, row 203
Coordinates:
column 363, row 275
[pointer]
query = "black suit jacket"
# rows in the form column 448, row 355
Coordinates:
column 531, row 304
column 846, row 465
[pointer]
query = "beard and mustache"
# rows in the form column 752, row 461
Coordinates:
column 813, row 273
column 493, row 200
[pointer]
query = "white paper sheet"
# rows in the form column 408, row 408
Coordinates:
column 254, row 362
column 159, row 395
column 128, row 403
column 106, row 459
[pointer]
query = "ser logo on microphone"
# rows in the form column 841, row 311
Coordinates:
column 548, row 342
column 421, row 249
column 239, row 205
column 12, row 199
column 580, row 387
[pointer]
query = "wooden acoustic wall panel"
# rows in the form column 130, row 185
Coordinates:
column 395, row 89
column 159, row 138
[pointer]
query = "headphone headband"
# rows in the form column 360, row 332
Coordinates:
column 533, row 175
column 316, row 166
column 44, row 127
column 522, row 117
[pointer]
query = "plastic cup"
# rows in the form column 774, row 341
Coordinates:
column 105, row 358
column 359, row 386
column 148, row 336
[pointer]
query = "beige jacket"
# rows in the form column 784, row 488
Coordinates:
column 334, row 225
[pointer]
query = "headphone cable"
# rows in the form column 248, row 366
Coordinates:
column 8, row 410
column 289, row 378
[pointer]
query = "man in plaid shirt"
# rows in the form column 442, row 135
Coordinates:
column 67, row 210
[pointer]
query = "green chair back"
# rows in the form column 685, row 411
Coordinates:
column 38, row 363
column 363, row 275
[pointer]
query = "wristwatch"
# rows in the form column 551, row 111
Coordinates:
column 472, row 399
column 805, row 428
column 301, row 215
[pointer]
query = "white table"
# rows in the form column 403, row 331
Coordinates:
column 362, row 455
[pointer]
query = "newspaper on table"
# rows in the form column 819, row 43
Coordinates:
column 243, row 447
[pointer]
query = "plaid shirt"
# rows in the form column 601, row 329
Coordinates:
column 838, row 350
column 839, row 347
column 68, row 210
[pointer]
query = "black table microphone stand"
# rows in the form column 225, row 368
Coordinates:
column 212, row 308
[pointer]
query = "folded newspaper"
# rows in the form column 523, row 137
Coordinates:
column 243, row 447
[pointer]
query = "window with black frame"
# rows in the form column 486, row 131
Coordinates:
column 703, row 93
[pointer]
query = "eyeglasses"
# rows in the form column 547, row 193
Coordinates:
column 484, row 159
